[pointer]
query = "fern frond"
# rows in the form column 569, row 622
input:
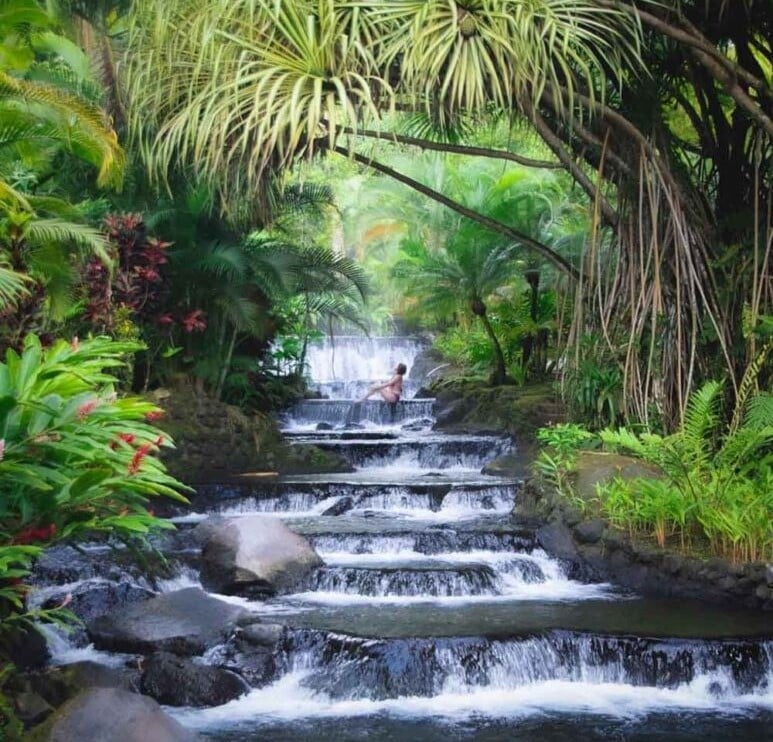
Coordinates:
column 701, row 420
column 748, row 385
column 759, row 411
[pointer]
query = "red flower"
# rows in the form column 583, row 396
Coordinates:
column 151, row 275
column 139, row 455
column 87, row 408
column 127, row 438
column 32, row 535
column 165, row 319
column 154, row 415
column 195, row 321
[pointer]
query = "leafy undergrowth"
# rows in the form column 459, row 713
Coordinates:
column 710, row 491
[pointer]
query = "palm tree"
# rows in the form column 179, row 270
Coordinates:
column 241, row 89
column 467, row 270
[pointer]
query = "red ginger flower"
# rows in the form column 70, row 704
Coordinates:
column 195, row 321
column 139, row 455
column 154, row 415
column 87, row 408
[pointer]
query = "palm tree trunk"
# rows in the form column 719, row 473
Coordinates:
column 500, row 369
column 226, row 365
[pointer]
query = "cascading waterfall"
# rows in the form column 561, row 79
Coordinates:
column 432, row 605
column 436, row 616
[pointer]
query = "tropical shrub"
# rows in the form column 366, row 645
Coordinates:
column 75, row 459
column 556, row 462
column 717, row 480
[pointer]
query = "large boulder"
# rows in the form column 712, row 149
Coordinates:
column 93, row 598
column 111, row 715
column 596, row 467
column 509, row 465
column 178, row 681
column 184, row 622
column 257, row 556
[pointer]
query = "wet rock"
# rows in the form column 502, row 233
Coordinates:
column 255, row 661
column 31, row 708
column 324, row 426
column 262, row 634
column 94, row 598
column 111, row 715
column 26, row 648
column 257, row 556
column 509, row 465
column 184, row 622
column 309, row 459
column 339, row 507
column 178, row 681
column 590, row 531
column 556, row 539
column 418, row 425
column 58, row 684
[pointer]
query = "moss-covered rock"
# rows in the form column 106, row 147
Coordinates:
column 596, row 467
column 471, row 405
column 215, row 442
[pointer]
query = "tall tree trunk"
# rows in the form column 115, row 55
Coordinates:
column 499, row 375
column 226, row 365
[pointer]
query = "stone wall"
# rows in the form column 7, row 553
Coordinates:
column 597, row 550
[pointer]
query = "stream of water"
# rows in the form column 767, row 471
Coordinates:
column 436, row 617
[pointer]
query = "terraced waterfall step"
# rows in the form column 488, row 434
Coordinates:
column 436, row 617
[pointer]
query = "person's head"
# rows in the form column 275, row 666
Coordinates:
column 401, row 369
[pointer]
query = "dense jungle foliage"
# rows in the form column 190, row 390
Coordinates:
column 197, row 189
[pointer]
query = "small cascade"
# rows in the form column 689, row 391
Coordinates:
column 309, row 413
column 343, row 367
column 349, row 668
column 411, row 581
column 418, row 452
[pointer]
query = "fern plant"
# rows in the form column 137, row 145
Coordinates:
column 717, row 480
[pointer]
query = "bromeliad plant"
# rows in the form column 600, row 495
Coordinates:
column 75, row 459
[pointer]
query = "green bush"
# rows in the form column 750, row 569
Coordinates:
column 75, row 459
column 717, row 481
column 556, row 461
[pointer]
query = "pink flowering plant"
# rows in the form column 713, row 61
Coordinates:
column 75, row 458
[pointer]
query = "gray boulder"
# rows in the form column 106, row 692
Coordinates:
column 97, row 597
column 111, row 715
column 256, row 556
column 184, row 622
column 178, row 681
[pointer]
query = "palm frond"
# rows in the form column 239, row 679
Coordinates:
column 60, row 232
column 13, row 286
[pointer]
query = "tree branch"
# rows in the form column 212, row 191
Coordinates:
column 529, row 243
column 553, row 141
column 693, row 39
column 459, row 149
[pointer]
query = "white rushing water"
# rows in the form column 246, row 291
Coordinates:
column 290, row 699
column 350, row 360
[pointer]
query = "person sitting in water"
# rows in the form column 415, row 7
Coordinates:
column 392, row 390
